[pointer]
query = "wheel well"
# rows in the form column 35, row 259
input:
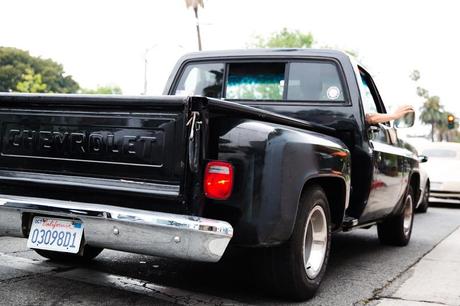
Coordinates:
column 415, row 184
column 335, row 190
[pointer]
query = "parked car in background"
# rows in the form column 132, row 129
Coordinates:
column 443, row 168
column 424, row 199
column 414, row 146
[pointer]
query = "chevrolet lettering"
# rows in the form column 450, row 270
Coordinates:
column 74, row 142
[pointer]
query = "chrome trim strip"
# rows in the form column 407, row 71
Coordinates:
column 131, row 230
column 94, row 183
column 392, row 149
column 81, row 160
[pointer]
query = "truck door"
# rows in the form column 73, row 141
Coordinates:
column 387, row 180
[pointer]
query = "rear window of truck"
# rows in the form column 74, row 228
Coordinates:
column 202, row 80
column 315, row 81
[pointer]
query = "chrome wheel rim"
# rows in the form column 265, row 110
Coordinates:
column 315, row 241
column 408, row 215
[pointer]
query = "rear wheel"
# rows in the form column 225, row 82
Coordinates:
column 89, row 253
column 423, row 208
column 397, row 230
column 297, row 267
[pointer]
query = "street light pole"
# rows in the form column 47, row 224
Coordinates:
column 146, row 63
column 145, row 66
column 145, row 72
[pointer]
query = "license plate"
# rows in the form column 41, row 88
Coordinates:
column 55, row 235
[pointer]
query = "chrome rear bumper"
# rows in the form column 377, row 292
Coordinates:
column 123, row 229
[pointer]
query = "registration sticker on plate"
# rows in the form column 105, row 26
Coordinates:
column 55, row 235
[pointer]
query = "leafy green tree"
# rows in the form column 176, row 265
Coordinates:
column 31, row 82
column 432, row 113
column 103, row 90
column 284, row 39
column 14, row 65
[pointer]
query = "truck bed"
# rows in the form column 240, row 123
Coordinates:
column 86, row 147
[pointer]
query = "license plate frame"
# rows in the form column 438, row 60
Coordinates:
column 55, row 234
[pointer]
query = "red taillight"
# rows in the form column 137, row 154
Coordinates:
column 218, row 180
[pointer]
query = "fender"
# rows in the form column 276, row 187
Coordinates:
column 414, row 181
column 272, row 165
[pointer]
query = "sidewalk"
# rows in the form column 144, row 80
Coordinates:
column 434, row 280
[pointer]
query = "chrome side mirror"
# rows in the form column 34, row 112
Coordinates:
column 406, row 121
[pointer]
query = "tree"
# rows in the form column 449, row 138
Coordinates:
column 432, row 113
column 103, row 90
column 15, row 64
column 284, row 39
column 415, row 75
column 195, row 4
column 31, row 82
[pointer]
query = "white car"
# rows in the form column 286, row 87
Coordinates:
column 443, row 168
column 423, row 201
column 414, row 145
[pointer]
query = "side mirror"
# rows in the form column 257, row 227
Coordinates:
column 406, row 121
column 422, row 158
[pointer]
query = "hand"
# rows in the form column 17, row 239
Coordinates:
column 402, row 110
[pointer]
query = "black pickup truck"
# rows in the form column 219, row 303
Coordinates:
column 254, row 148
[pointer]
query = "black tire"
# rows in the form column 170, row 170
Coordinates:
column 394, row 230
column 89, row 253
column 284, row 266
column 423, row 208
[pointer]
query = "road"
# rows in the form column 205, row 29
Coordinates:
column 360, row 268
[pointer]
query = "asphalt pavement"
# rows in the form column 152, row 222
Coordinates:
column 361, row 271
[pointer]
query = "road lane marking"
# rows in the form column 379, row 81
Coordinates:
column 169, row 294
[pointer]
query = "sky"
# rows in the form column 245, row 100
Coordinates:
column 103, row 42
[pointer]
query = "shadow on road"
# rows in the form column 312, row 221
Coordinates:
column 445, row 205
column 239, row 274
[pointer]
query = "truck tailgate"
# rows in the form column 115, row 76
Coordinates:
column 131, row 144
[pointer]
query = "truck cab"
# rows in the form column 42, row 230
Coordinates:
column 326, row 87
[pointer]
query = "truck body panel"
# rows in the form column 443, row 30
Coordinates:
column 147, row 155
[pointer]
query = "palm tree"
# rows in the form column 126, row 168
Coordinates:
column 195, row 4
column 432, row 113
